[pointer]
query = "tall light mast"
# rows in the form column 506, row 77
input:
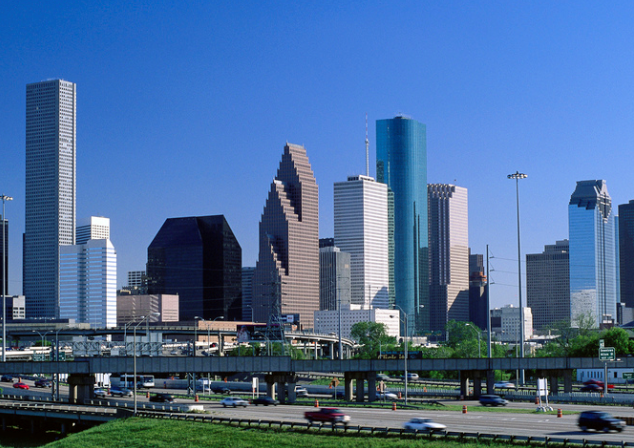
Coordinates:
column 367, row 148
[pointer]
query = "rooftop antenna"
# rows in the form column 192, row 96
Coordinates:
column 367, row 148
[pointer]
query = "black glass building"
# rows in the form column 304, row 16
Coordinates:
column 199, row 259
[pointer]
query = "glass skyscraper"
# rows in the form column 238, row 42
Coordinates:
column 593, row 258
column 401, row 163
column 50, row 191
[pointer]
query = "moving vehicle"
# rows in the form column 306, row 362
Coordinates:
column 21, row 386
column 142, row 381
column 43, row 382
column 301, row 391
column 412, row 376
column 599, row 421
column 387, row 395
column 591, row 388
column 120, row 391
column 6, row 379
column 503, row 385
column 162, row 398
column 492, row 400
column 328, row 415
column 598, row 383
column 266, row 401
column 99, row 393
column 221, row 390
column 234, row 401
column 424, row 424
column 382, row 377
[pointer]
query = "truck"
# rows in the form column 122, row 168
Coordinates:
column 327, row 415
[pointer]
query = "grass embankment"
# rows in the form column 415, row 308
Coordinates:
column 150, row 433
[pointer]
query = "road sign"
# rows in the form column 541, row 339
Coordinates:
column 607, row 354
column 601, row 343
column 628, row 375
column 334, row 382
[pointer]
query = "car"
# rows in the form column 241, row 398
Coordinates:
column 6, row 379
column 221, row 390
column 599, row 421
column 503, row 385
column 174, row 352
column 412, row 376
column 387, row 395
column 266, row 401
column 43, row 382
column 424, row 424
column 21, row 385
column 301, row 391
column 382, row 377
column 120, row 391
column 162, row 398
column 591, row 388
column 492, row 400
column 328, row 415
column 234, row 402
column 598, row 383
column 100, row 393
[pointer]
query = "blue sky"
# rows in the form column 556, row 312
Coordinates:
column 183, row 108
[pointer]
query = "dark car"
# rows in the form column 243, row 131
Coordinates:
column 6, row 379
column 600, row 421
column 162, row 398
column 266, row 401
column 591, row 388
column 492, row 400
column 221, row 390
column 43, row 382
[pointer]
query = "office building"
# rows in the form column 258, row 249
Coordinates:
column 327, row 321
column 50, row 191
column 593, row 270
column 334, row 276
column 132, row 308
column 361, row 229
column 626, row 253
column 200, row 259
column 286, row 279
column 93, row 228
column 88, row 277
column 4, row 253
column 505, row 323
column 448, row 254
column 548, row 285
column 478, row 309
column 401, row 163
column 247, row 293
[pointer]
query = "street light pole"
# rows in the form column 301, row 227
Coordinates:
column 517, row 176
column 406, row 337
column 4, row 279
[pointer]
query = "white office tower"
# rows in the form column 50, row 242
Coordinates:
column 93, row 228
column 361, row 229
column 88, row 281
column 448, row 254
column 50, row 191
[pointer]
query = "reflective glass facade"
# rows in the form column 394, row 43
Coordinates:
column 593, row 258
column 401, row 163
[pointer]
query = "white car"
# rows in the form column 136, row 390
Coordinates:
column 387, row 395
column 100, row 393
column 424, row 424
column 234, row 402
column 503, row 385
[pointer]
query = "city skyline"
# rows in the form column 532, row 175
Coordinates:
column 501, row 88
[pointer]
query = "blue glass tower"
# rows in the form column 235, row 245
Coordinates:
column 401, row 163
column 593, row 256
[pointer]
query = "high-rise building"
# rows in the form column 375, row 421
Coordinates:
column 200, row 259
column 93, row 228
column 548, row 285
column 159, row 308
column 247, row 293
column 334, row 276
column 626, row 253
column 286, row 279
column 136, row 279
column 505, row 323
column 478, row 309
column 593, row 275
column 448, row 254
column 361, row 226
column 88, row 277
column 4, row 253
column 401, row 163
column 50, row 191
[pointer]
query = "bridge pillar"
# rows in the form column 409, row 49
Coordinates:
column 477, row 384
column 490, row 375
column 221, row 344
column 553, row 383
column 348, row 377
column 332, row 350
column 80, row 387
column 291, row 380
column 270, row 387
column 464, row 383
column 371, row 377
column 567, row 374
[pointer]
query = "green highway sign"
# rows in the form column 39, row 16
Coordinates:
column 628, row 375
column 607, row 354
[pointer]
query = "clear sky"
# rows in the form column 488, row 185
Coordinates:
column 183, row 108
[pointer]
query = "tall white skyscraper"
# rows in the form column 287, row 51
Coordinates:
column 448, row 254
column 93, row 228
column 88, row 278
column 50, row 191
column 361, row 229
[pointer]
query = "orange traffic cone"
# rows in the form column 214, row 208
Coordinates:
column 196, row 398
column 148, row 394
column 536, row 399
column 394, row 406
column 464, row 409
column 559, row 413
column 399, row 395
column 316, row 403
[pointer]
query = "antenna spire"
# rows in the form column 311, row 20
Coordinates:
column 367, row 148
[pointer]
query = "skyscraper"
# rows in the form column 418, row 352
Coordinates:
column 199, row 259
column 401, row 163
column 593, row 267
column 286, row 278
column 4, row 247
column 361, row 229
column 88, row 276
column 548, row 285
column 626, row 253
column 334, row 276
column 50, row 191
column 478, row 310
column 448, row 254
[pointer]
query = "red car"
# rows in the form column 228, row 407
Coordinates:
column 21, row 386
column 598, row 383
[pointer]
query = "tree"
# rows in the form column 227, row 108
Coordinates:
column 371, row 336
column 617, row 338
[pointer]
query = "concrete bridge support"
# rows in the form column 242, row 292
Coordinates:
column 80, row 387
column 282, row 383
